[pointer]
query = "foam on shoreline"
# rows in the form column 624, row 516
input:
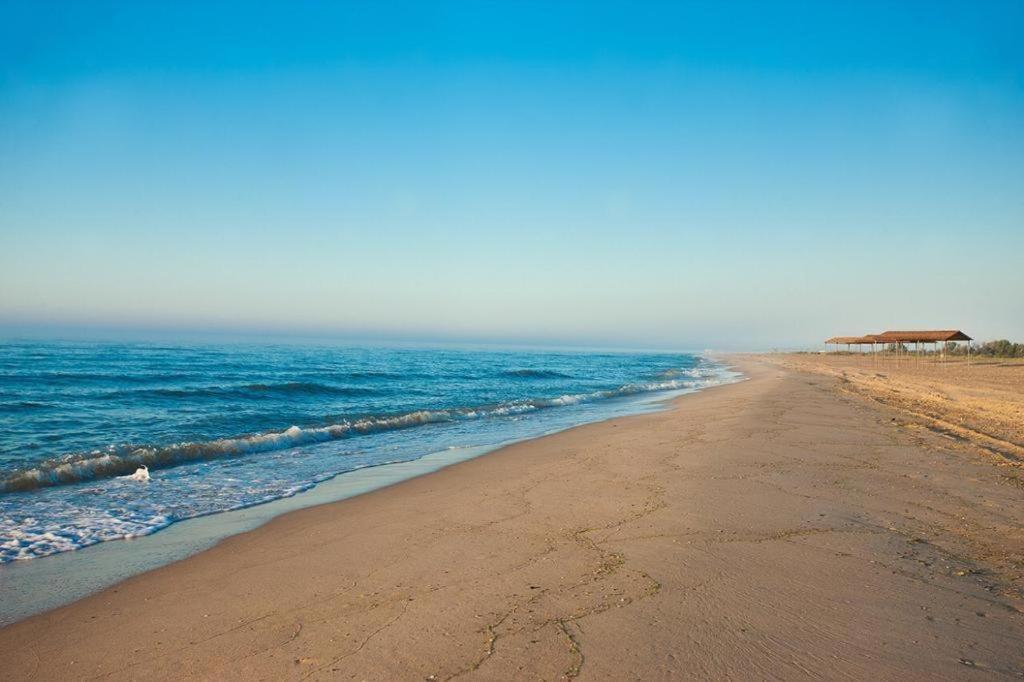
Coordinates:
column 61, row 578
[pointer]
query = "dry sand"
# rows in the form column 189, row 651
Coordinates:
column 781, row 527
column 980, row 402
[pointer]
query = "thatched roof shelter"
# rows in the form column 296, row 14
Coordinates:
column 850, row 340
column 919, row 338
column 923, row 336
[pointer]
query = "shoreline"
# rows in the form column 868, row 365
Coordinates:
column 753, row 529
column 106, row 564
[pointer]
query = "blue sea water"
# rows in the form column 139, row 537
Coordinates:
column 225, row 426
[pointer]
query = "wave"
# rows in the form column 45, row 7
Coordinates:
column 124, row 459
column 381, row 374
column 536, row 374
column 24, row 405
column 20, row 541
column 78, row 377
column 249, row 391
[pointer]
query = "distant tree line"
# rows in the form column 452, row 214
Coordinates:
column 993, row 349
column 990, row 349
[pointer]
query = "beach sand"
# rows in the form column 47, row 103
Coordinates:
column 980, row 402
column 786, row 526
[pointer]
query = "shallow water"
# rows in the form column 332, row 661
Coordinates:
column 224, row 427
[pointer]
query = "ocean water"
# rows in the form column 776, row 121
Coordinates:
column 228, row 426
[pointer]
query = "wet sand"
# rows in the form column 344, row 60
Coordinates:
column 785, row 526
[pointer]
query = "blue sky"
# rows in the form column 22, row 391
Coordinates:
column 662, row 175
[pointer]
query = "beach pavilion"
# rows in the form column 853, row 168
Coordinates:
column 850, row 341
column 919, row 338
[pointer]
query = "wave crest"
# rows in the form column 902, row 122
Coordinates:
column 252, row 391
column 124, row 459
column 536, row 374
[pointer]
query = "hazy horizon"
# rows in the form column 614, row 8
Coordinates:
column 687, row 176
column 184, row 336
column 235, row 335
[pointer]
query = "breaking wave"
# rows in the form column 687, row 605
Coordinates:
column 124, row 459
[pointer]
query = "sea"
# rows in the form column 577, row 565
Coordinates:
column 226, row 426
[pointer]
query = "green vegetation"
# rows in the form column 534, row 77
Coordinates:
column 1001, row 348
column 991, row 349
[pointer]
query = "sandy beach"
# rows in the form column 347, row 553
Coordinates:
column 790, row 525
column 980, row 402
column 511, row 341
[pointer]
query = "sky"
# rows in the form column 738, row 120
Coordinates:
column 735, row 175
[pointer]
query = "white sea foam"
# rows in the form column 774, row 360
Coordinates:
column 57, row 518
column 122, row 460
